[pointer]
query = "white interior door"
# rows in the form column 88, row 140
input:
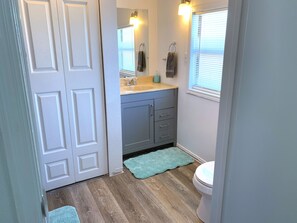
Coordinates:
column 79, row 28
column 41, row 31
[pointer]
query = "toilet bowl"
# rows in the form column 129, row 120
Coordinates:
column 203, row 180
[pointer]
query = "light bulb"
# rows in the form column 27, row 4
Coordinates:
column 185, row 9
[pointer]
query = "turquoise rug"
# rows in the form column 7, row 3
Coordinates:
column 153, row 163
column 65, row 214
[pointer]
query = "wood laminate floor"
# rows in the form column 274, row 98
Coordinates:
column 167, row 197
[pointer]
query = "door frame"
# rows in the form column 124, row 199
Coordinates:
column 107, row 13
column 232, row 58
column 108, row 32
column 18, row 155
column 230, row 62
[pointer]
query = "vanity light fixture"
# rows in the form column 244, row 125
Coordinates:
column 134, row 19
column 185, row 8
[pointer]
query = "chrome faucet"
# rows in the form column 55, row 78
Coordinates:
column 131, row 81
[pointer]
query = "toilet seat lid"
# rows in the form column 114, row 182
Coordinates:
column 204, row 173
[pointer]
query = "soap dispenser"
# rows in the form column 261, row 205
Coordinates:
column 157, row 78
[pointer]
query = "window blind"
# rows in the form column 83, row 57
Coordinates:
column 207, row 51
column 126, row 50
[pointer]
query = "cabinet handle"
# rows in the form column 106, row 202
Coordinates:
column 163, row 126
column 163, row 137
column 151, row 110
column 163, row 115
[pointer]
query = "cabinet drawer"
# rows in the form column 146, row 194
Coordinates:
column 164, row 130
column 166, row 102
column 164, row 114
column 165, row 125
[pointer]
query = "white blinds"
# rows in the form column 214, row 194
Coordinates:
column 207, row 50
column 126, row 49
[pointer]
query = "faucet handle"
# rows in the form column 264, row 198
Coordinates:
column 131, row 81
column 128, row 81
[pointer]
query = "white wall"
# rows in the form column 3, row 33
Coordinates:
column 151, row 6
column 197, row 117
column 261, row 182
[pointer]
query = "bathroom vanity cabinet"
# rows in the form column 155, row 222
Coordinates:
column 148, row 119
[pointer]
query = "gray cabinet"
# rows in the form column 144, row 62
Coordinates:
column 138, row 125
column 148, row 119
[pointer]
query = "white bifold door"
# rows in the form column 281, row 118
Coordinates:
column 63, row 47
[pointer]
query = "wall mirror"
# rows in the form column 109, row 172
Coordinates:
column 133, row 42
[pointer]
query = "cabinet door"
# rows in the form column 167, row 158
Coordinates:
column 42, row 37
column 138, row 125
column 80, row 38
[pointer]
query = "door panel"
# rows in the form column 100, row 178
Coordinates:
column 50, row 123
column 88, row 162
column 42, row 37
column 84, row 85
column 77, row 33
column 84, row 112
column 57, row 170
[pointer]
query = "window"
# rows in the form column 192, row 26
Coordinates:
column 126, row 51
column 207, row 52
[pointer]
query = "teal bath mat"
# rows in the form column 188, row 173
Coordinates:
column 153, row 163
column 65, row 214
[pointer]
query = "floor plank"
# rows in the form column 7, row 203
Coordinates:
column 184, row 194
column 146, row 198
column 126, row 199
column 171, row 201
column 106, row 202
column 85, row 204
column 59, row 198
column 185, row 176
column 167, row 197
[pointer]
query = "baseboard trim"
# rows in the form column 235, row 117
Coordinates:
column 116, row 172
column 196, row 157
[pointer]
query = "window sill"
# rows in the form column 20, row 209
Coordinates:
column 204, row 95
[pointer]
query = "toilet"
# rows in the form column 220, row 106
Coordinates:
column 203, row 180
